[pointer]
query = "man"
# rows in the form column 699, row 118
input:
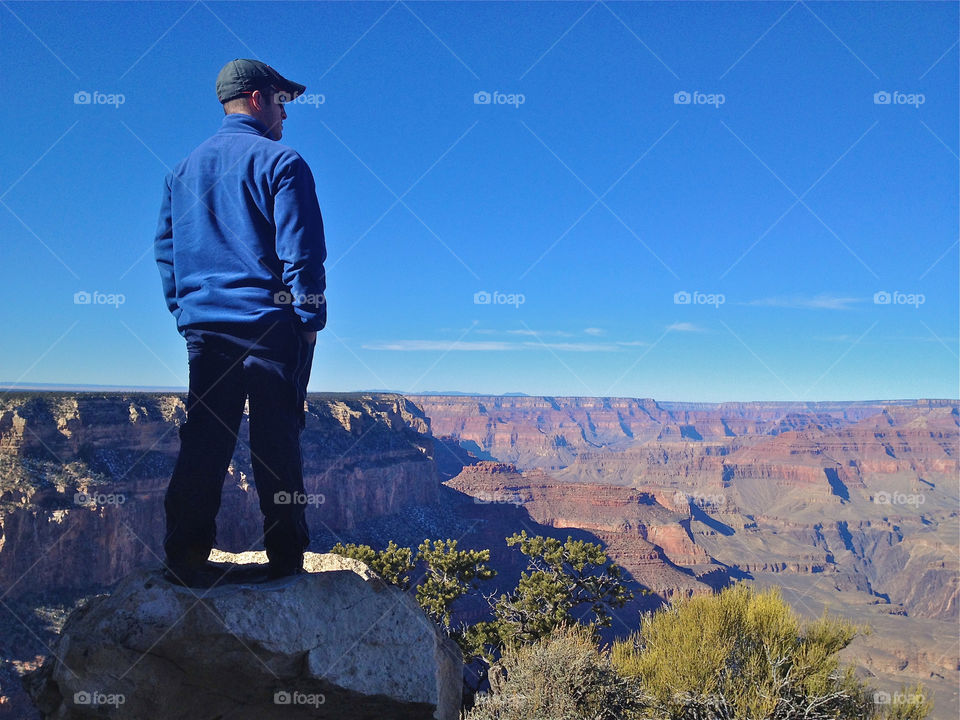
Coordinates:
column 240, row 248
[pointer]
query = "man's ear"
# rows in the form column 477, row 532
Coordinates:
column 256, row 100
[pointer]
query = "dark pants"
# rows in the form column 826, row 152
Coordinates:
column 272, row 368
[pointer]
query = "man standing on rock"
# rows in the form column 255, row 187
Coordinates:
column 240, row 248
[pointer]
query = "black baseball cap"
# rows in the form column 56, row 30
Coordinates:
column 242, row 76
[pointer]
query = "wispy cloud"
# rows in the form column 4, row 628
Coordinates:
column 541, row 333
column 580, row 346
column 684, row 327
column 489, row 346
column 441, row 345
column 530, row 332
column 816, row 302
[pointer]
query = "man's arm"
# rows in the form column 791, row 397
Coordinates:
column 301, row 246
column 163, row 251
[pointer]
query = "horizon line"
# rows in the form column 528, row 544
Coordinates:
column 10, row 387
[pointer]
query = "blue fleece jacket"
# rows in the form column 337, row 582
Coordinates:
column 240, row 240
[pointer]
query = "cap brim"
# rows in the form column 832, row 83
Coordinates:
column 289, row 88
column 294, row 89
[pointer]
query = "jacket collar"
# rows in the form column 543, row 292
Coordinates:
column 240, row 123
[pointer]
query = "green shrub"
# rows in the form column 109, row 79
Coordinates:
column 745, row 654
column 560, row 677
column 393, row 565
column 450, row 574
column 561, row 578
column 910, row 703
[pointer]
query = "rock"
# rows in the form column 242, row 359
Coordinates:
column 336, row 642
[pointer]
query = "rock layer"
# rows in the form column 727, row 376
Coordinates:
column 651, row 541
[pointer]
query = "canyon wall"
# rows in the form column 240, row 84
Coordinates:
column 550, row 432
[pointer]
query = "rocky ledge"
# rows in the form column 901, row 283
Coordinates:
column 333, row 643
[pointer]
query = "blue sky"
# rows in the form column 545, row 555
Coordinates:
column 786, row 234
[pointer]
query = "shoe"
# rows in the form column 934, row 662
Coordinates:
column 210, row 574
column 248, row 573
column 205, row 575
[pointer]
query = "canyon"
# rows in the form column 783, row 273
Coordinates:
column 849, row 507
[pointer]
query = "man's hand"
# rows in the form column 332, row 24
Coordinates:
column 310, row 336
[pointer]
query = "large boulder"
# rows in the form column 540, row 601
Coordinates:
column 333, row 643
